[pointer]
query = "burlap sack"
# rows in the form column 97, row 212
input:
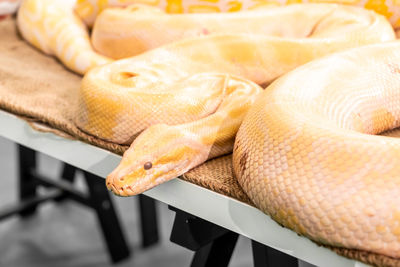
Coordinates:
column 41, row 90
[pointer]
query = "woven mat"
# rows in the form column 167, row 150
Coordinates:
column 41, row 90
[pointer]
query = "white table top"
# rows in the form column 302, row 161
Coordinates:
column 216, row 208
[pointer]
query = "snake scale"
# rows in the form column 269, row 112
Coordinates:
column 305, row 152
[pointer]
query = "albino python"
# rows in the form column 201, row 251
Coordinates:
column 314, row 163
column 89, row 9
column 114, row 36
column 196, row 87
column 54, row 28
column 8, row 7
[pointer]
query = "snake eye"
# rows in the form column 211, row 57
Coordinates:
column 147, row 165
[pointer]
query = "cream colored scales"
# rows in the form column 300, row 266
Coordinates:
column 202, row 88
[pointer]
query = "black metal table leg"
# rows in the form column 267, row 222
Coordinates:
column 148, row 221
column 217, row 253
column 26, row 181
column 98, row 199
column 109, row 222
column 147, row 207
column 20, row 207
column 68, row 174
column 264, row 256
column 213, row 244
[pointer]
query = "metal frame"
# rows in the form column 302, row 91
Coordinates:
column 148, row 221
column 97, row 198
column 227, row 212
column 264, row 256
column 213, row 245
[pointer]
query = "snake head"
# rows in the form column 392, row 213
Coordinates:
column 158, row 154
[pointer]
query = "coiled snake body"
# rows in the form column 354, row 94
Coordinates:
column 315, row 164
column 187, row 99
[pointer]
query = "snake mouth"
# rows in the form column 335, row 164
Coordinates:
column 118, row 187
column 126, row 190
column 120, row 191
column 127, row 184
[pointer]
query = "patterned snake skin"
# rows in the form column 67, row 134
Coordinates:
column 304, row 154
column 314, row 163
column 89, row 9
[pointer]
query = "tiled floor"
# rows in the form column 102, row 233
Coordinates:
column 66, row 234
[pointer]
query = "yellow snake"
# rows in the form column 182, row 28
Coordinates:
column 88, row 10
column 53, row 27
column 196, row 87
column 314, row 163
column 8, row 7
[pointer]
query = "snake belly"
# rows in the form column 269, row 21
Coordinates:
column 307, row 154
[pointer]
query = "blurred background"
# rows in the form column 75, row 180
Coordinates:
column 67, row 233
